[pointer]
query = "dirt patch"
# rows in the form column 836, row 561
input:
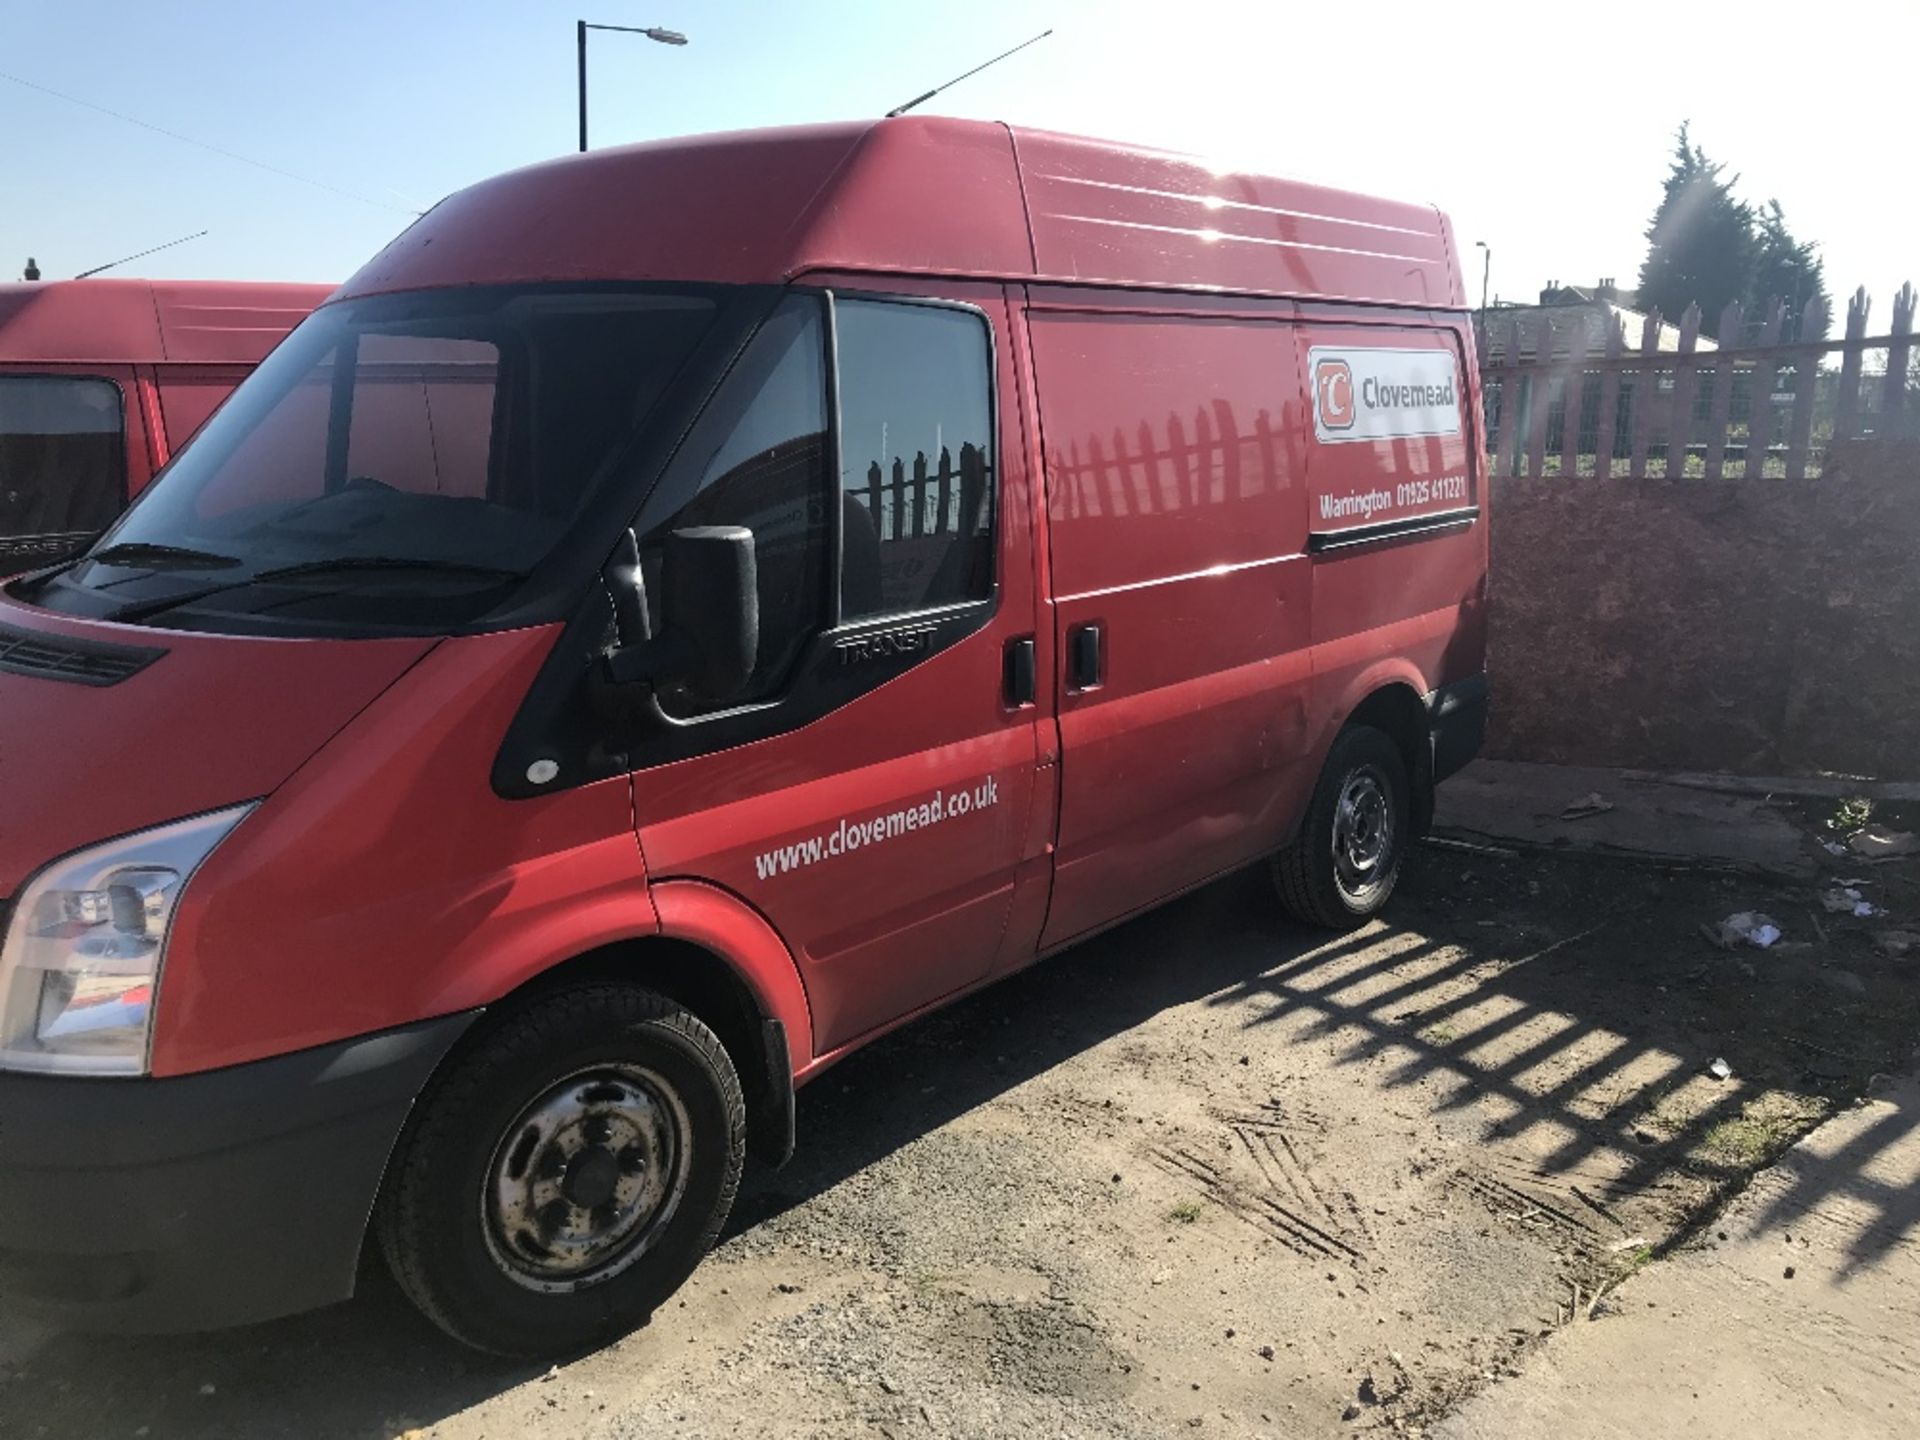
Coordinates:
column 1210, row 1174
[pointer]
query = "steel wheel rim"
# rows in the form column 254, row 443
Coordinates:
column 1362, row 832
column 585, row 1179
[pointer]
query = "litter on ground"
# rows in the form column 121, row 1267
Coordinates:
column 1590, row 804
column 1879, row 842
column 1744, row 927
column 1848, row 901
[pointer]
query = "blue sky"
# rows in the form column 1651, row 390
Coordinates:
column 1546, row 136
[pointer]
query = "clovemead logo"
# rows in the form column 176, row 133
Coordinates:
column 1333, row 394
column 1365, row 393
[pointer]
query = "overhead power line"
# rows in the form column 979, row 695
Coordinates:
column 203, row 145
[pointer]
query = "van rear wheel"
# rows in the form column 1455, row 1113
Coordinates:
column 566, row 1173
column 1341, row 867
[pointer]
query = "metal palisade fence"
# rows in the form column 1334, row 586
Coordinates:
column 1569, row 398
column 1206, row 459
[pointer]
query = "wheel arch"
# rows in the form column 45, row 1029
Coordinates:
column 719, row 958
column 1391, row 701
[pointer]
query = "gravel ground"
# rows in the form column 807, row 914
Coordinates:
column 1209, row 1174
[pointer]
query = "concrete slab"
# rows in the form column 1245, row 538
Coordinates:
column 1516, row 803
column 1799, row 1324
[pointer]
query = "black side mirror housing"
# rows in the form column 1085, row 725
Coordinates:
column 711, row 607
column 708, row 633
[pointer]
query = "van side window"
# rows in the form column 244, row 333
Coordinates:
column 758, row 458
column 63, row 457
column 916, row 450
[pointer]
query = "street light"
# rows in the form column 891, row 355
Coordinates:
column 652, row 32
column 1486, row 269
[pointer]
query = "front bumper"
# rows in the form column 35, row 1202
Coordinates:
column 206, row 1200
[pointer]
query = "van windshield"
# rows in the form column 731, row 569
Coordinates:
column 438, row 443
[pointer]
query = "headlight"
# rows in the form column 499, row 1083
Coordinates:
column 82, row 953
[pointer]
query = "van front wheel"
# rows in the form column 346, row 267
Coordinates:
column 1341, row 867
column 566, row 1173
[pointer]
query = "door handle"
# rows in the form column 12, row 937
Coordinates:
column 1021, row 680
column 1085, row 657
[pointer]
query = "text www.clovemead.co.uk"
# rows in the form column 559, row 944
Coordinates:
column 851, row 835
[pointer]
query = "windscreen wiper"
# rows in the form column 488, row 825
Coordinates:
column 384, row 562
column 349, row 564
column 154, row 556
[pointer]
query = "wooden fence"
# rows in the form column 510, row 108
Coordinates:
column 1558, row 404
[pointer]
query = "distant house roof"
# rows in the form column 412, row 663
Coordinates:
column 1568, row 321
column 1604, row 292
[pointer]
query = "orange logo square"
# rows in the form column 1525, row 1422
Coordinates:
column 1333, row 394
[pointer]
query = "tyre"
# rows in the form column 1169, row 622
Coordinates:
column 1343, row 863
column 566, row 1172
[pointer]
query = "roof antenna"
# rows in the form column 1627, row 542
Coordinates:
column 922, row 99
column 141, row 255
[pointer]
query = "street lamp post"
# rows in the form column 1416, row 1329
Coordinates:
column 1486, row 268
column 652, row 32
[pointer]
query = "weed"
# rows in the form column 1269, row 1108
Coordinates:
column 1667, row 1112
column 1185, row 1213
column 1742, row 1141
column 1761, row 1130
column 1851, row 814
column 1439, row 1035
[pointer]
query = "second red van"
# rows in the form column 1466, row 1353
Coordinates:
column 102, row 380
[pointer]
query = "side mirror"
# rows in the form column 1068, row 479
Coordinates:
column 708, row 633
column 710, row 608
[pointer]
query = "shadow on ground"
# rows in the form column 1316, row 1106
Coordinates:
column 1586, row 1042
column 1569, row 1007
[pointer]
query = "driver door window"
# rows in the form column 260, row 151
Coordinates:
column 915, row 494
column 758, row 458
column 916, row 456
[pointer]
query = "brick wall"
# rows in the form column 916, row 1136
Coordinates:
column 1756, row 626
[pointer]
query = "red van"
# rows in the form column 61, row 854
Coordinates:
column 677, row 613
column 101, row 380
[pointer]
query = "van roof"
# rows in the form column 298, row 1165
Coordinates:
column 922, row 195
column 143, row 322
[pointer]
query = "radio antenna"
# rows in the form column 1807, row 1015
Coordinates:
column 922, row 99
column 140, row 256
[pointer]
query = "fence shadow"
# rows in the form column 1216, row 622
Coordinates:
column 1583, row 1068
column 1857, row 1188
